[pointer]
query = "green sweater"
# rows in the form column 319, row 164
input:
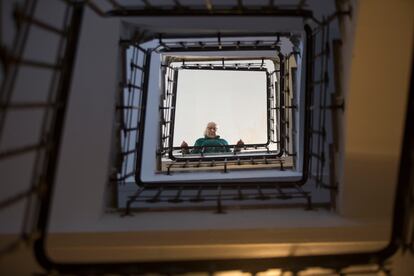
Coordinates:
column 212, row 145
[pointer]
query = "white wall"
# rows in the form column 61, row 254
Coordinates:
column 84, row 160
column 376, row 86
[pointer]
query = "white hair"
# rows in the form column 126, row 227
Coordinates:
column 206, row 130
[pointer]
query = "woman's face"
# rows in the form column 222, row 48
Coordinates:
column 211, row 130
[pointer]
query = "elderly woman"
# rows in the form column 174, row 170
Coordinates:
column 211, row 143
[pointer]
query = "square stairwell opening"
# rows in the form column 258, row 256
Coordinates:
column 236, row 100
column 239, row 95
column 164, row 79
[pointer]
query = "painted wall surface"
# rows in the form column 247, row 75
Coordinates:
column 84, row 161
column 376, row 91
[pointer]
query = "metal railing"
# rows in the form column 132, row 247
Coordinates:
column 170, row 158
column 45, row 150
column 324, row 138
column 131, row 112
column 199, row 164
column 280, row 105
column 201, row 197
column 168, row 107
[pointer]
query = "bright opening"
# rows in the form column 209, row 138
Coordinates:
column 235, row 100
